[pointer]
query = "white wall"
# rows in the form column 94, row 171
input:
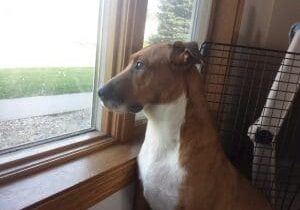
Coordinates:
column 121, row 200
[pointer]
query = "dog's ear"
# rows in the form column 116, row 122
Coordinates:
column 185, row 53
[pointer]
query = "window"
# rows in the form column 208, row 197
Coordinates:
column 53, row 55
column 168, row 21
column 84, row 51
column 47, row 68
column 173, row 20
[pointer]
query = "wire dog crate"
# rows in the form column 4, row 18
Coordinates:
column 239, row 85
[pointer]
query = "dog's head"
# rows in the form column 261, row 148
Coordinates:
column 154, row 75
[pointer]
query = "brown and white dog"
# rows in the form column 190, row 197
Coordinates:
column 181, row 163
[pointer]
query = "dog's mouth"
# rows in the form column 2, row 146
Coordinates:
column 135, row 108
column 114, row 101
column 117, row 106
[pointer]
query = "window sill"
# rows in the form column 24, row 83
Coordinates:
column 28, row 161
column 76, row 184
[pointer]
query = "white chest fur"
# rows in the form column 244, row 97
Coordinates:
column 159, row 167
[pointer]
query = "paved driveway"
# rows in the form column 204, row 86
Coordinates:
column 11, row 109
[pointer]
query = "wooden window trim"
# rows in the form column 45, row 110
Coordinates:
column 32, row 160
column 24, row 162
column 76, row 184
column 127, row 35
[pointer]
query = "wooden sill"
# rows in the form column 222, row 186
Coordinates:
column 25, row 162
column 77, row 184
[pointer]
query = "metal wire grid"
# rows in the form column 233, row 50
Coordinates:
column 238, row 80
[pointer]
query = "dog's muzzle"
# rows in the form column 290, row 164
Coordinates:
column 114, row 102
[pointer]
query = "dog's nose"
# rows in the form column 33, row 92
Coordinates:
column 101, row 92
column 108, row 92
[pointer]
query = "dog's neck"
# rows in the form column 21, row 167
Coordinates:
column 189, row 109
column 198, row 134
column 165, row 120
column 159, row 167
column 197, row 107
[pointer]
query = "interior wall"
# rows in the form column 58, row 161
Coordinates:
column 285, row 13
column 267, row 23
column 121, row 200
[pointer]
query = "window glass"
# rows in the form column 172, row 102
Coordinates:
column 168, row 21
column 47, row 65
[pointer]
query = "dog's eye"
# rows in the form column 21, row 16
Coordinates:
column 139, row 65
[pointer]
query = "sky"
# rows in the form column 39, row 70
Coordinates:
column 48, row 33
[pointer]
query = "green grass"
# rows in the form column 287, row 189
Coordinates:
column 24, row 82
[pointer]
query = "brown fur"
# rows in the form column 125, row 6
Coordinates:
column 212, row 183
column 151, row 85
